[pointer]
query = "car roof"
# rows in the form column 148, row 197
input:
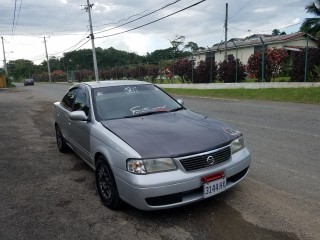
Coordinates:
column 111, row 83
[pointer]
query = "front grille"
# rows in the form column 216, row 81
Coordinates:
column 201, row 161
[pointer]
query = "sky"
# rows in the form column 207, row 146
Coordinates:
column 65, row 24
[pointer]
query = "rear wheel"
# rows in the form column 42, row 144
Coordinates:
column 106, row 185
column 61, row 142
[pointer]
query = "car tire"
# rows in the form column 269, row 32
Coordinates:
column 61, row 142
column 106, row 184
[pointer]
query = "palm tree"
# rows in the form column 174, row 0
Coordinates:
column 312, row 25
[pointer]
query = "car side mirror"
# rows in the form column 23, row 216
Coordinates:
column 78, row 116
column 180, row 101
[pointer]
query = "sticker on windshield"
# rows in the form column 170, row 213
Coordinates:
column 99, row 94
column 131, row 90
column 139, row 110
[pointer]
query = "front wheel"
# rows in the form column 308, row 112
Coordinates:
column 106, row 185
column 61, row 142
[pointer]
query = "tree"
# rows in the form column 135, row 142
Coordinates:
column 177, row 42
column 55, row 64
column 312, row 25
column 21, row 68
column 276, row 32
column 192, row 46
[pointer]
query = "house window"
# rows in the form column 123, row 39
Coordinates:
column 230, row 57
column 210, row 56
column 259, row 48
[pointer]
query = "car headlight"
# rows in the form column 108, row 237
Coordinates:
column 237, row 145
column 144, row 166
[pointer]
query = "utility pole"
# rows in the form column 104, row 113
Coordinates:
column 45, row 45
column 306, row 61
column 262, row 62
column 95, row 66
column 226, row 34
column 192, row 67
column 4, row 58
column 236, row 60
column 211, row 56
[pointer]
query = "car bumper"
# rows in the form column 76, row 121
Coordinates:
column 176, row 188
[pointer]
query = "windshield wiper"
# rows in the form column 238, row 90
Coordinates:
column 176, row 109
column 145, row 114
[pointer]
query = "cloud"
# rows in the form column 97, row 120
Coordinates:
column 268, row 9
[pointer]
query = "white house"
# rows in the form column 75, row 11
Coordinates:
column 243, row 48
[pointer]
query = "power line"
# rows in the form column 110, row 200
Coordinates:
column 84, row 36
column 121, row 20
column 154, row 11
column 243, row 7
column 152, row 21
column 36, row 58
column 242, row 30
column 14, row 16
column 81, row 45
column 15, row 27
column 249, row 30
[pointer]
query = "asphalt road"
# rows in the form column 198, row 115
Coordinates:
column 45, row 194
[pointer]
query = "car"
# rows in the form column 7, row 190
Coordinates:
column 145, row 147
column 28, row 81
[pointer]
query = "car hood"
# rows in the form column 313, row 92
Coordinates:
column 171, row 134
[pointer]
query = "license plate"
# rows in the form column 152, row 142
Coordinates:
column 214, row 187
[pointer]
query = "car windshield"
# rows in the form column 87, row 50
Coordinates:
column 131, row 101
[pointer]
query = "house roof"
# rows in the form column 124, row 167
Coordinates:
column 255, row 40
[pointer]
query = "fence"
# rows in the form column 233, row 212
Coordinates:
column 301, row 65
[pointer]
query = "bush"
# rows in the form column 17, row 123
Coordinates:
column 298, row 64
column 183, row 68
column 203, row 71
column 227, row 71
column 274, row 61
column 314, row 75
column 58, row 76
column 153, row 72
column 83, row 75
column 41, row 77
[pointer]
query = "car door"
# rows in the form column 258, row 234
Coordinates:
column 66, row 107
column 79, row 131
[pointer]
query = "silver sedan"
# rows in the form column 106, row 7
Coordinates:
column 146, row 148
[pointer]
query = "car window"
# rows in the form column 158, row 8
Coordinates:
column 80, row 102
column 129, row 101
column 68, row 99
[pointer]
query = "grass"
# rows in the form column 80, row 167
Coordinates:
column 297, row 95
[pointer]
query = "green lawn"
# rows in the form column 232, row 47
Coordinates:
column 298, row 95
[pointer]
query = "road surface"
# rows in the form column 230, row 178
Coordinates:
column 49, row 195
